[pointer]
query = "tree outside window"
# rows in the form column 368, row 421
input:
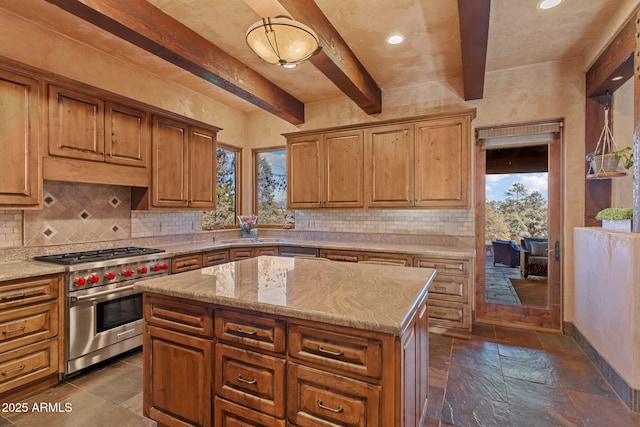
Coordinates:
column 228, row 189
column 270, row 172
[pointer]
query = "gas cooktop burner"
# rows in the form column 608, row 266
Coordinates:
column 97, row 255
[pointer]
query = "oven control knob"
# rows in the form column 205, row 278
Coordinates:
column 110, row 275
column 128, row 273
column 156, row 267
column 81, row 281
column 143, row 270
column 165, row 266
column 94, row 279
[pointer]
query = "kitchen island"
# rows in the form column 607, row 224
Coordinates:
column 271, row 340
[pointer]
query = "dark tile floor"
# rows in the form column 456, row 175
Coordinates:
column 496, row 377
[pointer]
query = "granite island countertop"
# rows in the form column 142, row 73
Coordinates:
column 13, row 270
column 365, row 296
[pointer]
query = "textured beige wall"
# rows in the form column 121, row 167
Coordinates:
column 622, row 116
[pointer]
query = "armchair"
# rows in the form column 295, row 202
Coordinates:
column 506, row 252
column 534, row 256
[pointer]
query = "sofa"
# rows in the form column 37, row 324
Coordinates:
column 534, row 256
column 506, row 252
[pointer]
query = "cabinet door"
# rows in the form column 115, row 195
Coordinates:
column 390, row 166
column 76, row 125
column 20, row 183
column 177, row 378
column 414, row 369
column 127, row 135
column 169, row 172
column 344, row 169
column 442, row 163
column 304, row 172
column 202, row 168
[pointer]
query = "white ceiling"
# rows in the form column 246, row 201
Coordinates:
column 519, row 34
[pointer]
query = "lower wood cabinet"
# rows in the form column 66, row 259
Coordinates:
column 236, row 254
column 30, row 347
column 258, row 369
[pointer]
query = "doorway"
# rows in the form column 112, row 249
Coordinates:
column 518, row 244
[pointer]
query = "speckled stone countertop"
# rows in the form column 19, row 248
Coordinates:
column 414, row 249
column 365, row 296
column 22, row 269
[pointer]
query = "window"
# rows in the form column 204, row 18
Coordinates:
column 270, row 174
column 228, row 189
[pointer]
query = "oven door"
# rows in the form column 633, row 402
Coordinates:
column 102, row 323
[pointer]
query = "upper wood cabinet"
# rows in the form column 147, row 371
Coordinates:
column 417, row 162
column 184, row 165
column 443, row 162
column 326, row 170
column 390, row 161
column 20, row 179
column 86, row 127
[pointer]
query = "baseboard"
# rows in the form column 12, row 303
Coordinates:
column 629, row 395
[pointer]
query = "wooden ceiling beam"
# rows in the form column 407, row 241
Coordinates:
column 474, row 35
column 336, row 60
column 147, row 27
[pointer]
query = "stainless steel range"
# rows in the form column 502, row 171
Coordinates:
column 104, row 314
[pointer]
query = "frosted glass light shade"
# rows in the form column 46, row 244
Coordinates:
column 282, row 41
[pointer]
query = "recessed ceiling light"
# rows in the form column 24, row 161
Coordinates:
column 616, row 78
column 395, row 39
column 548, row 4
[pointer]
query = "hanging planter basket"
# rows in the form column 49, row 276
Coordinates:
column 604, row 160
column 605, row 163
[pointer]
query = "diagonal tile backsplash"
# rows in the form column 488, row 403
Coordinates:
column 76, row 212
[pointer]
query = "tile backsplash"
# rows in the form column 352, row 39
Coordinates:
column 10, row 229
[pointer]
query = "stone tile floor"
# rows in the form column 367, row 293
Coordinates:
column 495, row 377
column 497, row 287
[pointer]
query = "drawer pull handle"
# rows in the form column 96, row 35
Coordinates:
column 13, row 296
column 20, row 368
column 20, row 329
column 242, row 380
column 332, row 353
column 242, row 331
column 335, row 411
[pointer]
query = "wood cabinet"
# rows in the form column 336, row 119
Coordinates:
column 183, row 165
column 215, row 257
column 177, row 351
column 184, row 263
column 274, row 371
column 326, row 170
column 30, row 347
column 367, row 257
column 450, row 293
column 20, row 178
column 236, row 254
column 87, row 127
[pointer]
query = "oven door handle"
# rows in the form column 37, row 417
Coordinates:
column 99, row 294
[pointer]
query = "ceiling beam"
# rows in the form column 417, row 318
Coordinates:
column 336, row 60
column 147, row 27
column 474, row 35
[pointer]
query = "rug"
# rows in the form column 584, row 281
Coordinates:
column 532, row 292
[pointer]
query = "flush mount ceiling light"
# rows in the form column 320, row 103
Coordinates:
column 548, row 4
column 282, row 41
column 395, row 39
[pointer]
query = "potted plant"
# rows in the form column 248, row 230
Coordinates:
column 616, row 218
column 609, row 162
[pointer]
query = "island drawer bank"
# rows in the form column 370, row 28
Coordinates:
column 450, row 304
column 271, row 340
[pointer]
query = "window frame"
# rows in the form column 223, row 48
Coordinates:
column 254, row 160
column 238, row 172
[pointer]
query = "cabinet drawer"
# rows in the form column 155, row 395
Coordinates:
column 239, row 253
column 340, row 255
column 402, row 260
column 450, row 288
column 186, row 263
column 27, row 364
column 347, row 353
column 452, row 314
column 215, row 258
column 31, row 291
column 191, row 318
column 250, row 379
column 444, row 265
column 259, row 332
column 229, row 414
column 26, row 325
column 316, row 398
column 273, row 251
